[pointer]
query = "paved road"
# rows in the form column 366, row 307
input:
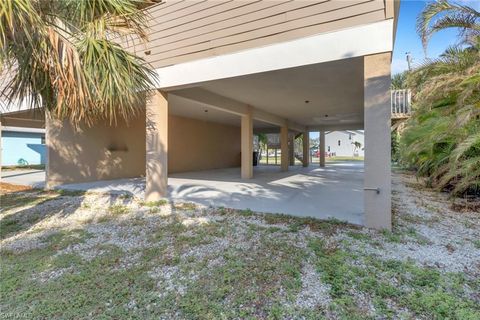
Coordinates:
column 34, row 178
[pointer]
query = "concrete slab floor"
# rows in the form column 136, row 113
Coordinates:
column 334, row 191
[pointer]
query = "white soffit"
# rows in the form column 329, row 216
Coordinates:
column 348, row 43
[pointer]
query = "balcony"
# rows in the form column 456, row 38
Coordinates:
column 401, row 103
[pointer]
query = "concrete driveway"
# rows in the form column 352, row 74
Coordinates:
column 33, row 178
column 334, row 191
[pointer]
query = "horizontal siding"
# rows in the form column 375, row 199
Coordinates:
column 187, row 30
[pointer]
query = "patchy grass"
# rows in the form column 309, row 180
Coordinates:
column 476, row 243
column 69, row 193
column 392, row 236
column 391, row 285
column 297, row 223
column 22, row 199
column 188, row 262
column 185, row 206
column 152, row 204
column 118, row 209
column 11, row 218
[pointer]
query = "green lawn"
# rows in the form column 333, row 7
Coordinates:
column 271, row 160
column 26, row 167
column 83, row 256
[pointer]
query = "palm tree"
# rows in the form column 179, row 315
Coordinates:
column 262, row 143
column 356, row 146
column 398, row 81
column 67, row 57
column 443, row 14
column 442, row 138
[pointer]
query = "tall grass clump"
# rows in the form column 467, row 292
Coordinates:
column 441, row 140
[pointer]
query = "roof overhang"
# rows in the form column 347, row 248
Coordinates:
column 347, row 43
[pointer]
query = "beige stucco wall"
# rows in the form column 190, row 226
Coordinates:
column 201, row 145
column 104, row 152
column 100, row 152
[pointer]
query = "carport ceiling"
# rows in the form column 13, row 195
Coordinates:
column 187, row 108
column 334, row 91
column 182, row 107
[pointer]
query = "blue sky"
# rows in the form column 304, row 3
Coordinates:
column 407, row 39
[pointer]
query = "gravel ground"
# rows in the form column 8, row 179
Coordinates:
column 209, row 262
column 436, row 235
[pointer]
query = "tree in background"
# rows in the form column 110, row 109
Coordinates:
column 442, row 138
column 398, row 81
column 356, row 146
column 65, row 56
column 262, row 143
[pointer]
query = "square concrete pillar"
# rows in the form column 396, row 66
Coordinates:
column 322, row 148
column 306, row 148
column 247, row 145
column 51, row 134
column 291, row 149
column 284, row 147
column 156, row 146
column 377, row 182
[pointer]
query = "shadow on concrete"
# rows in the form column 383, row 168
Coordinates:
column 334, row 191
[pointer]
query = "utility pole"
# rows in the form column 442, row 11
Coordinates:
column 409, row 60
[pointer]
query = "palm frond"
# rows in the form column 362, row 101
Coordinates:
column 442, row 14
column 67, row 56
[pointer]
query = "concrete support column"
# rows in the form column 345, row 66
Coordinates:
column 322, row 148
column 306, row 148
column 284, row 147
column 377, row 182
column 50, row 128
column 291, row 149
column 247, row 145
column 156, row 146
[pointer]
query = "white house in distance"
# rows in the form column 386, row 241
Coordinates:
column 342, row 143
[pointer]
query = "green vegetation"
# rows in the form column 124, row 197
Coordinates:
column 64, row 56
column 212, row 263
column 441, row 141
column 152, row 204
column 26, row 167
column 118, row 209
column 422, row 290
column 398, row 81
